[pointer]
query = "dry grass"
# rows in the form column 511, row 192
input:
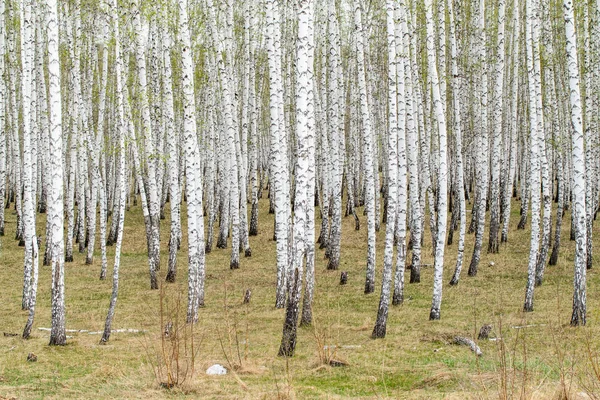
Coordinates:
column 414, row 361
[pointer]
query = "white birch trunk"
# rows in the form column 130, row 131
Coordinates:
column 149, row 150
column 305, row 140
column 278, row 149
column 494, row 242
column 513, row 122
column 3, row 136
column 457, row 129
column 368, row 147
column 120, row 127
column 55, row 210
column 196, row 255
column 172, row 163
column 379, row 330
column 531, row 26
column 401, row 220
column 578, row 316
column 442, row 215
column 28, row 108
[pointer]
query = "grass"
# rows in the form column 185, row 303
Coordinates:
column 415, row 360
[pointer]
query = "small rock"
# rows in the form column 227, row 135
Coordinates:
column 344, row 278
column 484, row 332
column 247, row 296
column 216, row 369
column 337, row 363
column 31, row 357
column 492, row 263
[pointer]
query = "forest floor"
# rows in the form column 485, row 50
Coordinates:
column 534, row 355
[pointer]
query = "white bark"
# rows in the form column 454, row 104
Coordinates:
column 368, row 147
column 443, row 168
column 149, row 150
column 494, row 242
column 3, row 136
column 412, row 150
column 457, row 129
column 401, row 220
column 532, row 45
column 28, row 109
column 513, row 122
column 278, row 147
column 379, row 330
column 172, row 163
column 579, row 168
column 196, row 255
column 305, row 141
column 55, row 210
column 482, row 157
column 123, row 187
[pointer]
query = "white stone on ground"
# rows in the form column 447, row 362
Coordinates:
column 216, row 369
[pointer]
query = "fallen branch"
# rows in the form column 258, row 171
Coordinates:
column 526, row 326
column 66, row 330
column 97, row 332
column 119, row 331
column 468, row 342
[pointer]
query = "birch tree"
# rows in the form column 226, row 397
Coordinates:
column 149, row 150
column 196, row 256
column 55, row 210
column 379, row 330
column 303, row 202
column 443, row 168
column 279, row 163
column 367, row 142
column 578, row 316
column 120, row 126
column 531, row 29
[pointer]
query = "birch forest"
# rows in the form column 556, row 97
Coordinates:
column 262, row 188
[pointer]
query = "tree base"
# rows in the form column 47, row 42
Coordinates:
column 415, row 275
column 333, row 264
column 397, row 299
column 171, row 275
column 379, row 331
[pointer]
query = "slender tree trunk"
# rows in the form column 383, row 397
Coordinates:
column 55, row 211
column 494, row 242
column 123, row 188
column 337, row 134
column 531, row 28
column 457, row 128
column 303, row 200
column 149, row 151
column 367, row 147
column 279, row 164
column 483, row 145
column 579, row 169
column 443, row 169
column 379, row 330
column 196, row 257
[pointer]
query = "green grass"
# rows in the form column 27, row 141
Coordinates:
column 415, row 360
